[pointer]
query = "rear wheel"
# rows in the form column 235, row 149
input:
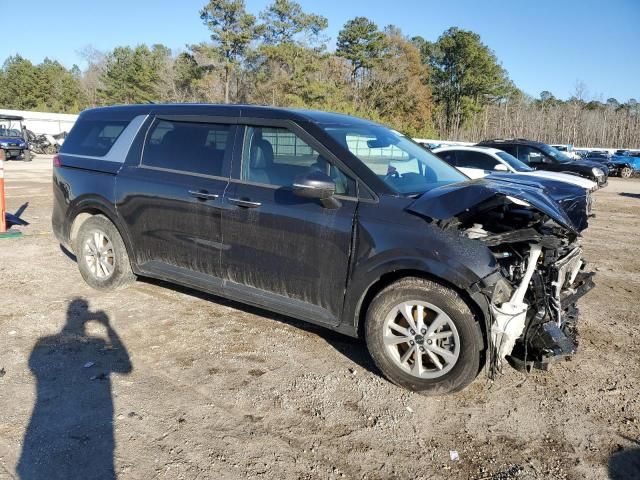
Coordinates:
column 626, row 172
column 423, row 337
column 101, row 254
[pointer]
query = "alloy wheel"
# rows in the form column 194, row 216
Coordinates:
column 99, row 255
column 421, row 339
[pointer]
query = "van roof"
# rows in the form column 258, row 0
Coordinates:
column 232, row 110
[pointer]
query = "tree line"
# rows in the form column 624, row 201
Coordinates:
column 453, row 87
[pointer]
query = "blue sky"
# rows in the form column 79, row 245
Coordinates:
column 543, row 44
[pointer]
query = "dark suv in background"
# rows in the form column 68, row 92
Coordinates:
column 330, row 219
column 541, row 156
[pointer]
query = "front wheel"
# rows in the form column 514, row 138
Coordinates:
column 101, row 254
column 423, row 337
column 626, row 172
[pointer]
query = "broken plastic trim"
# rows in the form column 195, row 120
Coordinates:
column 510, row 317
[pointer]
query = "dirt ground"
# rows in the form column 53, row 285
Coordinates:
column 163, row 382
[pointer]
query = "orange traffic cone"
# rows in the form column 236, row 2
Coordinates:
column 4, row 233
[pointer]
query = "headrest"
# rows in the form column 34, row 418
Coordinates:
column 261, row 154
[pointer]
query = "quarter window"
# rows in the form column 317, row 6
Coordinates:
column 94, row 138
column 188, row 146
column 276, row 156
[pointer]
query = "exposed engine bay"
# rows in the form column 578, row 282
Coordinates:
column 533, row 306
column 534, row 240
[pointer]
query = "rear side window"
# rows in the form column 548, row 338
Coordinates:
column 94, row 138
column 188, row 146
column 478, row 160
column 448, row 156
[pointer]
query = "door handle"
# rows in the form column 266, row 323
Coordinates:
column 203, row 195
column 244, row 203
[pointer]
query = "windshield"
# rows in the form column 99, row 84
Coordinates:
column 10, row 128
column 402, row 164
column 514, row 163
column 555, row 154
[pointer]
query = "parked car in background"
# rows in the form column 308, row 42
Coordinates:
column 331, row 219
column 627, row 164
column 541, row 156
column 12, row 138
column 478, row 162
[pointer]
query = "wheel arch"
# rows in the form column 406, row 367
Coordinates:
column 381, row 282
column 88, row 207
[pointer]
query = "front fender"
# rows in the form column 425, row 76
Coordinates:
column 409, row 246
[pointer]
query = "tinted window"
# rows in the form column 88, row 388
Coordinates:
column 276, row 156
column 513, row 162
column 529, row 155
column 189, row 147
column 510, row 149
column 93, row 138
column 479, row 160
column 448, row 156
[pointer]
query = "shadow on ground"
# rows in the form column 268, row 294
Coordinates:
column 625, row 464
column 70, row 433
column 631, row 195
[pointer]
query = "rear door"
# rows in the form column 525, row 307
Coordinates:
column 171, row 198
column 288, row 253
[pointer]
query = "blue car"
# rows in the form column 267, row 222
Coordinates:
column 627, row 163
column 623, row 164
column 12, row 141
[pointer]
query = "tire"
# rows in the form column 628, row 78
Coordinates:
column 111, row 269
column 462, row 332
column 626, row 172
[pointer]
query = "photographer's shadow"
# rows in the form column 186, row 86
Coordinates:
column 70, row 434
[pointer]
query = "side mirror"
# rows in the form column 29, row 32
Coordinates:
column 316, row 185
column 500, row 168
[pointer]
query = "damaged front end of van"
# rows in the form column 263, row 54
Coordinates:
column 532, row 297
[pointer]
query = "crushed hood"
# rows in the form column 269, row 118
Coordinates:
column 448, row 201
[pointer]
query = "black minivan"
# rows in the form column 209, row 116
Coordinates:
column 331, row 219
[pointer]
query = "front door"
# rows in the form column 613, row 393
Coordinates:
column 171, row 201
column 289, row 249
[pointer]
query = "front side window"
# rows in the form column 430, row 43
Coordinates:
column 277, row 156
column 402, row 164
column 188, row 146
column 556, row 154
column 514, row 163
column 530, row 155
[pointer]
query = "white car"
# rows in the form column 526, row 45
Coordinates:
column 478, row 162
